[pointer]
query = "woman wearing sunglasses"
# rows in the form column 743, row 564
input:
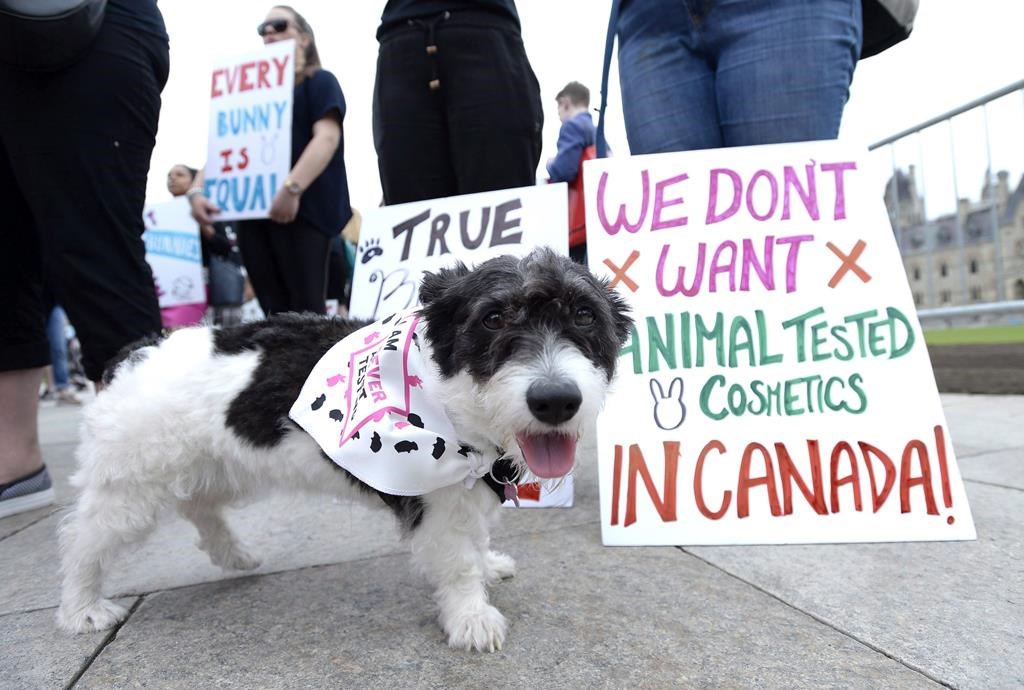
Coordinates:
column 286, row 255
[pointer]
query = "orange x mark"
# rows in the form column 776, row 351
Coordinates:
column 620, row 273
column 849, row 263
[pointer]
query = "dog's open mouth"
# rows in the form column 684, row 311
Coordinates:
column 548, row 455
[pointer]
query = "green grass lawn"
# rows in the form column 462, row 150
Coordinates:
column 988, row 335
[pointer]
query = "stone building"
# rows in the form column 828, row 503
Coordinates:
column 958, row 258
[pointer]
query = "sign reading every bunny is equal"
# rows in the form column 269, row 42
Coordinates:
column 776, row 387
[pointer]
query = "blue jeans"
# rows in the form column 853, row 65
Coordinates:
column 699, row 74
column 56, row 327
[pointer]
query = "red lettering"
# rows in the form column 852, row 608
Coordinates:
column 214, row 91
column 246, row 85
column 746, row 482
column 788, row 474
column 698, row 489
column 666, row 508
column 940, row 445
column 264, row 69
column 281, row 64
column 616, row 483
column 226, row 154
column 244, row 163
column 853, row 479
column 924, row 481
column 878, row 497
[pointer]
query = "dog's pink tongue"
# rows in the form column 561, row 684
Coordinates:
column 548, row 455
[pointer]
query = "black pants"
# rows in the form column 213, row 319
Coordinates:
column 287, row 264
column 74, row 155
column 479, row 130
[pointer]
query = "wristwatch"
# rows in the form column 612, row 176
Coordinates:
column 293, row 187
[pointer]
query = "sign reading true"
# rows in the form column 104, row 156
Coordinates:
column 776, row 387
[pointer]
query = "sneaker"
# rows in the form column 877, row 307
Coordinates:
column 47, row 396
column 27, row 493
column 68, row 397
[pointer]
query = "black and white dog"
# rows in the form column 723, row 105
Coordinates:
column 524, row 351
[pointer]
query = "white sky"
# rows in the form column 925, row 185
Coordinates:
column 955, row 55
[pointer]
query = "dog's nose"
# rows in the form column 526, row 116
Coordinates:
column 554, row 402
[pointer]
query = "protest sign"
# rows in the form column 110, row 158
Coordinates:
column 174, row 253
column 397, row 244
column 249, row 154
column 776, row 387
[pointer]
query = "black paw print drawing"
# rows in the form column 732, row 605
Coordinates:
column 370, row 249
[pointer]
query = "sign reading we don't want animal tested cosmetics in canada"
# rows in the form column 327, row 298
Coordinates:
column 249, row 153
column 776, row 387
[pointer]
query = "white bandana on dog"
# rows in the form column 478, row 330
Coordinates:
column 364, row 403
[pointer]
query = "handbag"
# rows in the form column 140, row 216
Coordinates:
column 226, row 282
column 577, row 201
column 886, row 23
column 46, row 35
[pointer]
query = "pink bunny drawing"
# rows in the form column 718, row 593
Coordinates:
column 669, row 410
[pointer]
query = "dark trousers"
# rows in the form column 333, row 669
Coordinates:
column 74, row 155
column 287, row 264
column 478, row 129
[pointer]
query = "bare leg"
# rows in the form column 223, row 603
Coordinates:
column 19, row 423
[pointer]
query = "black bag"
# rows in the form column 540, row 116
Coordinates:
column 886, row 23
column 46, row 35
column 227, row 284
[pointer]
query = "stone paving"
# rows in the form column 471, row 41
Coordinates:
column 334, row 604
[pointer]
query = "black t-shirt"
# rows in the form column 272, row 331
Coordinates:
column 398, row 11
column 138, row 15
column 325, row 204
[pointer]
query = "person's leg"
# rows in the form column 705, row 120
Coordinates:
column 85, row 179
column 784, row 68
column 262, row 265
column 668, row 85
column 495, row 117
column 19, row 436
column 409, row 129
column 302, row 252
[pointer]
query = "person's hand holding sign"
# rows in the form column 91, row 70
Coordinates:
column 203, row 209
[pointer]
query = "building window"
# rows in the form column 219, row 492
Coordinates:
column 975, row 294
column 946, row 296
column 973, row 266
column 917, row 273
column 944, row 270
column 918, row 299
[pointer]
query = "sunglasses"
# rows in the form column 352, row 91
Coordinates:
column 278, row 25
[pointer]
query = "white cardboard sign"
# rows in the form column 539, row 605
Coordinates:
column 250, row 141
column 398, row 244
column 776, row 388
column 174, row 253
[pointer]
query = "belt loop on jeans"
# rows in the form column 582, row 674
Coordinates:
column 430, row 26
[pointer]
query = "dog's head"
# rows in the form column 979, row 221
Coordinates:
column 526, row 348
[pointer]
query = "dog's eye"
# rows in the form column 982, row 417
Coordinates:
column 494, row 321
column 584, row 316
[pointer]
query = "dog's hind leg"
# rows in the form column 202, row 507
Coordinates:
column 215, row 537
column 450, row 548
column 102, row 524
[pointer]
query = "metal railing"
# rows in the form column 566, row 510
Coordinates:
column 961, row 249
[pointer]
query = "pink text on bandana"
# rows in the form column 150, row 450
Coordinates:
column 372, row 389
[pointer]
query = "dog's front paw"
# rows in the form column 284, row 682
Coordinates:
column 238, row 560
column 100, row 615
column 498, row 566
column 482, row 629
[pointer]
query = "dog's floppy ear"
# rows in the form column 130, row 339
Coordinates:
column 434, row 285
column 621, row 319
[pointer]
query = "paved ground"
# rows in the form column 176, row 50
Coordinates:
column 334, row 605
